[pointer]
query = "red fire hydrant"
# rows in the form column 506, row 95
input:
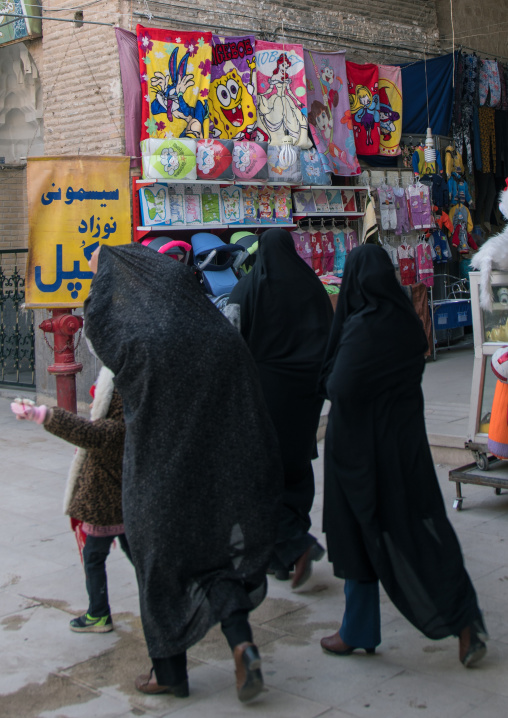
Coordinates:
column 64, row 326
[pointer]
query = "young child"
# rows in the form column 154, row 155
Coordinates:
column 93, row 495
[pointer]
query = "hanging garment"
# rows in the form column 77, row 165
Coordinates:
column 282, row 93
column 330, row 119
column 168, row 111
column 407, row 265
column 462, row 225
column 317, row 252
column 424, row 265
column 303, row 246
column 453, row 162
column 390, row 110
column 438, row 187
column 422, row 167
column 387, row 209
column 503, row 77
column 467, row 98
column 327, row 241
column 403, row 222
column 458, row 190
column 350, row 239
column 232, row 95
column 490, row 84
column 419, row 206
column 392, row 253
column 364, row 104
column 497, row 442
column 488, row 139
column 440, row 246
column 340, row 252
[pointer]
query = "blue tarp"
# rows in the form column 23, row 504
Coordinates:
column 440, row 91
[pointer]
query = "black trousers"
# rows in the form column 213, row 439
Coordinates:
column 95, row 553
column 172, row 670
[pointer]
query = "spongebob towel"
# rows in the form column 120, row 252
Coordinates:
column 175, row 70
column 282, row 94
column 232, row 98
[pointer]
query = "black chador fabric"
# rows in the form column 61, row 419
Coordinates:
column 285, row 320
column 384, row 516
column 202, row 472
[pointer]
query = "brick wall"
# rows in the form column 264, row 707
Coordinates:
column 13, row 216
column 480, row 26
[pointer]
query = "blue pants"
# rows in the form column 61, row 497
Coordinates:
column 95, row 553
column 361, row 624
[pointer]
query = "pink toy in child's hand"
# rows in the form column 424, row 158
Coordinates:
column 26, row 409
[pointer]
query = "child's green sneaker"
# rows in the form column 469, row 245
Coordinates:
column 88, row 624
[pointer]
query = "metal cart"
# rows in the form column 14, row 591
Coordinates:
column 490, row 331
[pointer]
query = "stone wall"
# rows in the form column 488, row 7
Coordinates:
column 479, row 26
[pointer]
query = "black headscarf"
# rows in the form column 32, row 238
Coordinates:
column 202, row 474
column 383, row 515
column 285, row 319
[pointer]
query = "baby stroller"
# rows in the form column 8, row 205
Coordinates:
column 176, row 249
column 249, row 243
column 214, row 260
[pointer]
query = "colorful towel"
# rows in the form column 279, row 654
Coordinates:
column 282, row 94
column 364, row 104
column 390, row 109
column 232, row 98
column 330, row 120
column 175, row 70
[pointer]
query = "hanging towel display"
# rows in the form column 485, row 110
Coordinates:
column 330, row 120
column 390, row 110
column 282, row 94
column 232, row 97
column 364, row 103
column 175, row 69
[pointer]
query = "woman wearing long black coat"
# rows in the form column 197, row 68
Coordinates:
column 285, row 319
column 384, row 516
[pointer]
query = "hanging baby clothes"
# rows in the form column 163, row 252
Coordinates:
column 458, row 190
column 403, row 223
column 419, row 206
column 303, row 246
column 340, row 252
column 462, row 225
column 422, row 167
column 387, row 207
column 282, row 93
column 391, row 252
column 328, row 105
column 407, row 264
column 327, row 241
column 438, row 187
column 453, row 162
column 390, row 110
column 364, row 103
column 350, row 239
column 441, row 248
column 424, row 265
column 317, row 252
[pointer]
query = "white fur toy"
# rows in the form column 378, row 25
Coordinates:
column 492, row 255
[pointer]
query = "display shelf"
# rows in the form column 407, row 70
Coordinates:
column 328, row 214
column 239, row 183
column 178, row 227
column 357, row 188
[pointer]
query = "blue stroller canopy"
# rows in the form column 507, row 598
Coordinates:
column 214, row 259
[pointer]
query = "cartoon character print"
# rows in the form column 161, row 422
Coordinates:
column 365, row 108
column 231, row 203
column 326, row 77
column 170, row 160
column 265, row 205
column 205, row 157
column 321, row 118
column 233, row 105
column 169, row 96
column 279, row 107
column 387, row 116
column 242, row 158
column 156, row 204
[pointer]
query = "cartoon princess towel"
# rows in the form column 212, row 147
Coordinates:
column 175, row 69
column 282, row 94
column 330, row 119
column 390, row 110
column 364, row 104
column 232, row 98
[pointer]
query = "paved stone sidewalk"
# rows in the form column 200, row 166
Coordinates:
column 46, row 671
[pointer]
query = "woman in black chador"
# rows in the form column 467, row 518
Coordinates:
column 202, row 475
column 384, row 516
column 285, row 318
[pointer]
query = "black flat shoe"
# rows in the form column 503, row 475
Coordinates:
column 472, row 647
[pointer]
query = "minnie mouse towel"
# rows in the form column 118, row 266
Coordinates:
column 364, row 104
